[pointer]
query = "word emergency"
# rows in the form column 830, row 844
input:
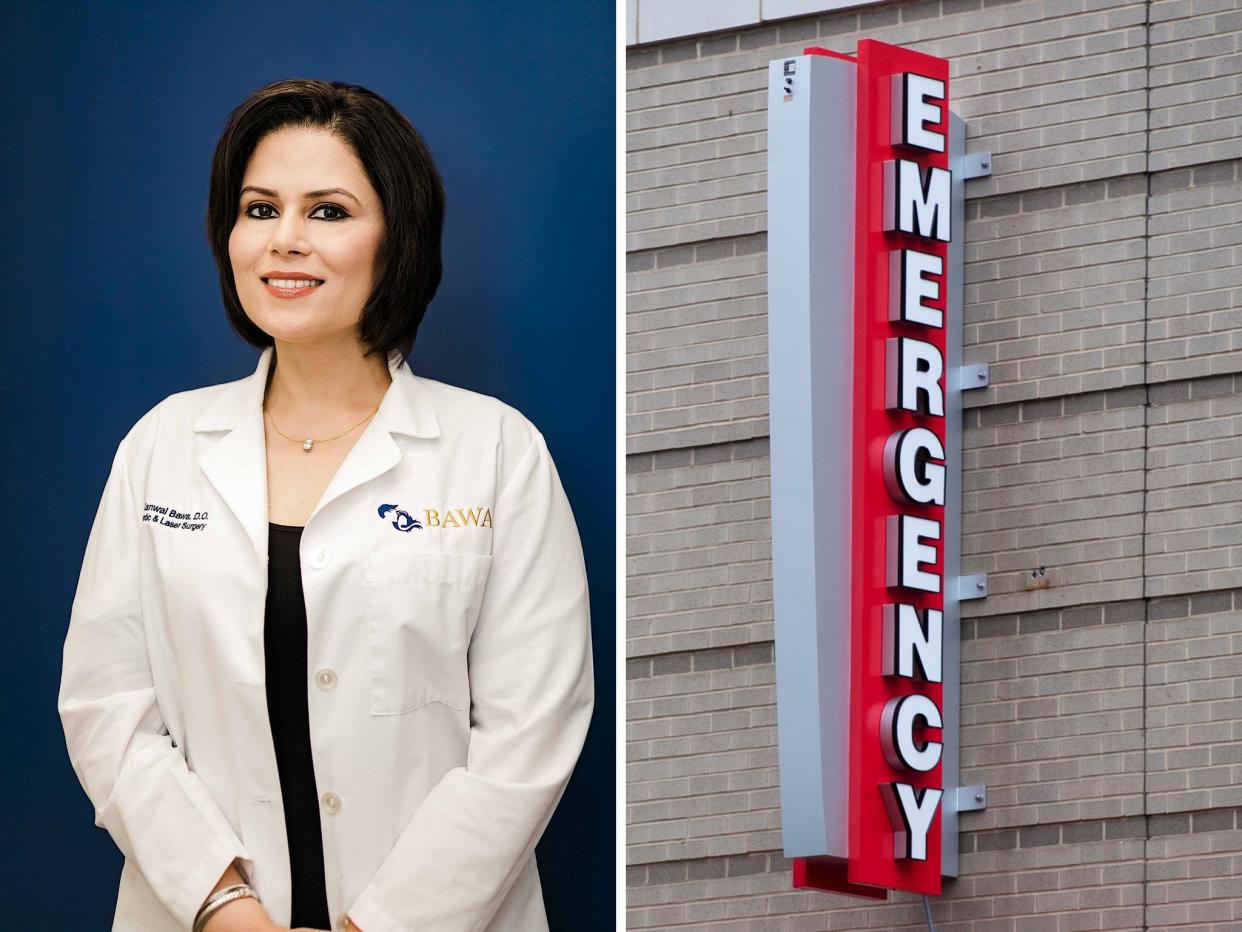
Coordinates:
column 917, row 205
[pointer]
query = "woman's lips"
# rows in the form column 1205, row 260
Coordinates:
column 290, row 292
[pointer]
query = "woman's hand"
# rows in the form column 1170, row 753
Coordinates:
column 243, row 915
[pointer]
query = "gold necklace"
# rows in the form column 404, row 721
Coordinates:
column 309, row 442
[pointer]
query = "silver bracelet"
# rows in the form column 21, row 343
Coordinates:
column 218, row 899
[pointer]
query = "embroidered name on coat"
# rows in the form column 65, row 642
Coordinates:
column 172, row 518
column 458, row 517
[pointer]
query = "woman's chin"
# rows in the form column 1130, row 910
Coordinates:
column 291, row 330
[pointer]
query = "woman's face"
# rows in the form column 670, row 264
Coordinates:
column 288, row 222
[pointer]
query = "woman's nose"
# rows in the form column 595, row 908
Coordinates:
column 289, row 233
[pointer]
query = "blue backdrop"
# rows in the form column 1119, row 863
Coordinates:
column 111, row 303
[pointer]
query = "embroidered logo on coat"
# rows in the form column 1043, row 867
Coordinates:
column 402, row 520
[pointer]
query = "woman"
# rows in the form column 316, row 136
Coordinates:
column 328, row 663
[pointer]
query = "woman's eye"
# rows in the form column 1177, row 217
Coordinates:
column 258, row 207
column 340, row 213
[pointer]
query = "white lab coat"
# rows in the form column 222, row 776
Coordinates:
column 449, row 666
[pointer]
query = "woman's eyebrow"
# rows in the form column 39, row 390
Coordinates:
column 267, row 192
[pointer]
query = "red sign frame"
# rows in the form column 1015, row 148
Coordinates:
column 872, row 859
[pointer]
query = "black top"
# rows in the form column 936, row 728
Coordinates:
column 284, row 644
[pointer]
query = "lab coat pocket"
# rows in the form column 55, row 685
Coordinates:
column 421, row 609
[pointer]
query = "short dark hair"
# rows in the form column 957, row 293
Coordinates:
column 401, row 171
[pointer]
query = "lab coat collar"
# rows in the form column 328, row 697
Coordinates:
column 236, row 463
column 404, row 409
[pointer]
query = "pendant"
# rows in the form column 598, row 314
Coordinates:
column 307, row 445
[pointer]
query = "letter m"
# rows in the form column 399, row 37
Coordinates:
column 914, row 205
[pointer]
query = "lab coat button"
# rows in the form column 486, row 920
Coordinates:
column 325, row 679
column 319, row 558
column 331, row 802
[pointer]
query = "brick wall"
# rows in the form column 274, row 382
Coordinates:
column 1102, row 678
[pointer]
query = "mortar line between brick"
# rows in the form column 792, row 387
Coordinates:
column 749, row 447
column 1004, row 838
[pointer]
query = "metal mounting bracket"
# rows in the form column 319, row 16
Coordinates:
column 972, row 587
column 976, row 165
column 973, row 376
column 971, row 798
